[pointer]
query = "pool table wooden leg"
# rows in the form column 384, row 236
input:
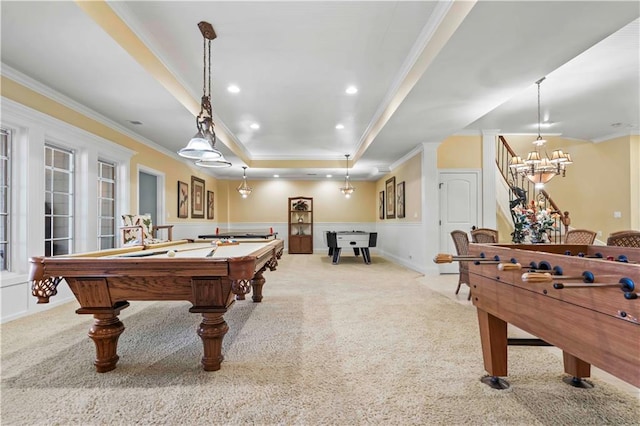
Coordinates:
column 212, row 330
column 256, row 286
column 105, row 332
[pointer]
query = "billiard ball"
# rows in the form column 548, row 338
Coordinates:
column 171, row 253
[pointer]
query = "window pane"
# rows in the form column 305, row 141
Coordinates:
column 48, row 155
column 106, row 208
column 61, row 204
column 4, row 227
column 47, row 248
column 106, row 226
column 48, row 179
column 106, row 189
column 3, row 257
column 107, row 243
column 61, row 182
column 61, row 227
column 61, row 160
column 3, row 200
column 107, row 171
column 48, row 220
column 60, row 247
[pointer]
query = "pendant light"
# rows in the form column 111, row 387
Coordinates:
column 347, row 189
column 244, row 189
column 201, row 147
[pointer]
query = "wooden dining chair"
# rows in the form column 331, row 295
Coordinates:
column 461, row 242
column 628, row 238
column 484, row 236
column 579, row 236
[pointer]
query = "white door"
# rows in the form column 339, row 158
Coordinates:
column 459, row 209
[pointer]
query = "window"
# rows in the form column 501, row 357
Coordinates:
column 58, row 201
column 5, row 171
column 106, row 205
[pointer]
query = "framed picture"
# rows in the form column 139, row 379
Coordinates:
column 209, row 204
column 381, row 205
column 391, row 198
column 400, row 196
column 183, row 200
column 197, row 198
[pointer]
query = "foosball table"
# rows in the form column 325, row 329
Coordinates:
column 579, row 298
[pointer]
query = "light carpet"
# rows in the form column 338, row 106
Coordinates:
column 347, row 344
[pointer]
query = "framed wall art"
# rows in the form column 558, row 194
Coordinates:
column 400, row 196
column 381, row 205
column 197, row 198
column 391, row 198
column 183, row 200
column 210, row 204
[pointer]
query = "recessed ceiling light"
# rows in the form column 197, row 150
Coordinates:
column 135, row 122
column 255, row 126
column 329, row 176
column 351, row 90
column 339, row 126
column 276, row 176
column 233, row 89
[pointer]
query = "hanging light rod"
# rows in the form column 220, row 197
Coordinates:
column 201, row 147
column 347, row 189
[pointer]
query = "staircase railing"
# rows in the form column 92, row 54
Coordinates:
column 522, row 190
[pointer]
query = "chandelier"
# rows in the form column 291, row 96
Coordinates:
column 244, row 189
column 347, row 189
column 539, row 168
column 201, row 147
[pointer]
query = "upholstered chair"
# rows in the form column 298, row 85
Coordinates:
column 139, row 229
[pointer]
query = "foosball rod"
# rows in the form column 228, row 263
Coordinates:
column 517, row 266
column 626, row 284
column 545, row 277
column 448, row 258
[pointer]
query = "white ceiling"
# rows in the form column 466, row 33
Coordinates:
column 425, row 70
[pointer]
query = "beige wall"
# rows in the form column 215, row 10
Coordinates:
column 409, row 172
column 268, row 201
column 460, row 152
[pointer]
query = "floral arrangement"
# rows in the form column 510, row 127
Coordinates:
column 532, row 222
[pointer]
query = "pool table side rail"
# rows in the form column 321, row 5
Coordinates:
column 46, row 273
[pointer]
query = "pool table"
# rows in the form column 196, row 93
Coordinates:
column 205, row 274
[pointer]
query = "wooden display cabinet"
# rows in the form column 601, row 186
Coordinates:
column 300, row 225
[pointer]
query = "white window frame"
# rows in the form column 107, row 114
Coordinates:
column 7, row 201
column 30, row 129
column 115, row 203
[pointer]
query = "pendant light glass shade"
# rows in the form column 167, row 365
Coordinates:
column 347, row 189
column 244, row 189
column 213, row 159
